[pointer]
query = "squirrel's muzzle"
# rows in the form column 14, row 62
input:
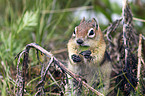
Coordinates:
column 80, row 41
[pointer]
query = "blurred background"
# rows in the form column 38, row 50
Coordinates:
column 50, row 23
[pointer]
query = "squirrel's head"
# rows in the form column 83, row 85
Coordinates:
column 87, row 32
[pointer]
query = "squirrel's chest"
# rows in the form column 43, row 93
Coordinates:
column 92, row 73
column 84, row 70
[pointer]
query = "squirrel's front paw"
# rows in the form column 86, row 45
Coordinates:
column 76, row 58
column 86, row 54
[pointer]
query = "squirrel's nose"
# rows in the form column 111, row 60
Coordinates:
column 80, row 41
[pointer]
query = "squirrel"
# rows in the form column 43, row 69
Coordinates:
column 87, row 55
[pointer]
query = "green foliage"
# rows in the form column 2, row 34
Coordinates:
column 28, row 21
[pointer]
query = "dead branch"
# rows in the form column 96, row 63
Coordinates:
column 139, row 58
column 52, row 60
column 125, row 24
column 21, row 78
column 138, row 19
column 59, row 51
column 127, row 57
column 143, row 37
column 112, row 28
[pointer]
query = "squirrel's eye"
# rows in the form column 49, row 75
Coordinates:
column 74, row 33
column 91, row 33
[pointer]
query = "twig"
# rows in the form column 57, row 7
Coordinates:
column 53, row 79
column 129, row 59
column 91, row 88
column 59, row 51
column 138, row 19
column 18, row 62
column 112, row 28
column 40, row 84
column 124, row 30
column 21, row 79
column 59, row 64
column 143, row 62
column 24, row 68
column 50, row 62
column 42, row 65
column 139, row 58
column 143, row 37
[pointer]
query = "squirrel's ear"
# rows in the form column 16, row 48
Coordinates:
column 83, row 19
column 96, row 23
column 94, row 20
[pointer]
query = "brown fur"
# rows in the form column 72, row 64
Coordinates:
column 91, row 70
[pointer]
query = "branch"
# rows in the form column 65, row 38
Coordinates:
column 59, row 64
column 124, row 15
column 139, row 58
column 138, row 19
column 21, row 79
column 112, row 28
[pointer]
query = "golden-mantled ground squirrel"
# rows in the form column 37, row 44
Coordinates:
column 87, row 55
